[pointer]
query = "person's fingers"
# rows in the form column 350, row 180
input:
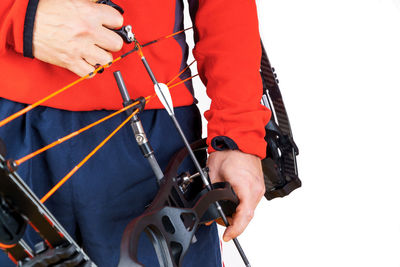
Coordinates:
column 81, row 68
column 249, row 197
column 108, row 40
column 110, row 17
column 95, row 55
column 242, row 217
column 244, row 173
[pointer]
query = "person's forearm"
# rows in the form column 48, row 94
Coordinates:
column 228, row 54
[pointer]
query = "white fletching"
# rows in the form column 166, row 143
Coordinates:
column 164, row 95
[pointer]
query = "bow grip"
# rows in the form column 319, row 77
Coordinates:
column 125, row 32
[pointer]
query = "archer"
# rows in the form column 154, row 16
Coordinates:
column 45, row 43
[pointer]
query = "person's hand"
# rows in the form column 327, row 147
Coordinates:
column 75, row 34
column 244, row 173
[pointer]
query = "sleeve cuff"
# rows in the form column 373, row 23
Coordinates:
column 253, row 144
column 220, row 143
column 28, row 27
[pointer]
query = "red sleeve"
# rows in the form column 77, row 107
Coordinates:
column 228, row 54
column 13, row 29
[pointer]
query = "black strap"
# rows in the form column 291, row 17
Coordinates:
column 280, row 166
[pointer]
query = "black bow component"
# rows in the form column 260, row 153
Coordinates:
column 180, row 207
column 19, row 207
column 12, row 224
column 280, row 166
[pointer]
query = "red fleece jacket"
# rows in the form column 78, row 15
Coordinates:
column 227, row 51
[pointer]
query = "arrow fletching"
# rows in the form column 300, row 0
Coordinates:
column 164, row 95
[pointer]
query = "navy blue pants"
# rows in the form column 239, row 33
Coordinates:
column 112, row 188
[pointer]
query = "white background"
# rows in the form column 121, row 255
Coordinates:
column 338, row 63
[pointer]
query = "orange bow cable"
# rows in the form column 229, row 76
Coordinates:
column 73, row 134
column 76, row 168
column 180, row 73
column 173, row 34
column 4, row 246
column 97, row 70
column 185, row 80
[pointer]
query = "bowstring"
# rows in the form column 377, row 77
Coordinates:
column 180, row 73
column 183, row 81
